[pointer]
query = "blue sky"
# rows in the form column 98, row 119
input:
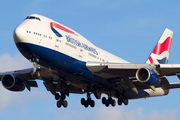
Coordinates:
column 128, row 29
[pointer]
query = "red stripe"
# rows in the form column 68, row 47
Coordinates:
column 52, row 24
column 151, row 60
column 161, row 47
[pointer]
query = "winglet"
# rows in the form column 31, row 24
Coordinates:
column 160, row 53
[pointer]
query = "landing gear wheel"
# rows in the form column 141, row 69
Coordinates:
column 65, row 104
column 103, row 100
column 83, row 101
column 125, row 102
column 86, row 104
column 57, row 96
column 107, row 104
column 89, row 100
column 59, row 104
column 92, row 103
column 110, row 100
column 113, row 103
column 120, row 101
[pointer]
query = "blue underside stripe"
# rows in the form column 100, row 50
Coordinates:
column 56, row 60
column 48, row 56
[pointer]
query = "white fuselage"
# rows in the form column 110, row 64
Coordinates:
column 39, row 32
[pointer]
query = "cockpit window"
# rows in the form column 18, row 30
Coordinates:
column 32, row 17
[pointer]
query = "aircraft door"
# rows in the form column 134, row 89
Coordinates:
column 81, row 54
column 57, row 44
column 41, row 38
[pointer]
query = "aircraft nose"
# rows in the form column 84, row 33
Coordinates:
column 19, row 34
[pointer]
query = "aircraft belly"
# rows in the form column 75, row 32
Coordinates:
column 141, row 94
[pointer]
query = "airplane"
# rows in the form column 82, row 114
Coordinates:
column 67, row 63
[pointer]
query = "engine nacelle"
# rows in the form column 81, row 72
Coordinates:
column 12, row 83
column 147, row 76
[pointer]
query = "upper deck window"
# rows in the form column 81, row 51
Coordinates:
column 32, row 17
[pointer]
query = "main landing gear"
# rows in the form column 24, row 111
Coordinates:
column 108, row 101
column 87, row 102
column 120, row 101
column 61, row 100
column 122, row 98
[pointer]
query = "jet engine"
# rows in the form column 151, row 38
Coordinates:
column 147, row 76
column 12, row 83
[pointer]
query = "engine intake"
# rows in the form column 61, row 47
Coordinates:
column 12, row 83
column 147, row 76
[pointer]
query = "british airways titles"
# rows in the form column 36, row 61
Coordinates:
column 81, row 45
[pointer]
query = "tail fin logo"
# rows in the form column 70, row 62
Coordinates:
column 160, row 53
column 161, row 47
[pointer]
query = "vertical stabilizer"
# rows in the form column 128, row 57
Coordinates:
column 160, row 54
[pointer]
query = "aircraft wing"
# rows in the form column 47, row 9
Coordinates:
column 114, row 71
column 47, row 75
column 111, row 72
